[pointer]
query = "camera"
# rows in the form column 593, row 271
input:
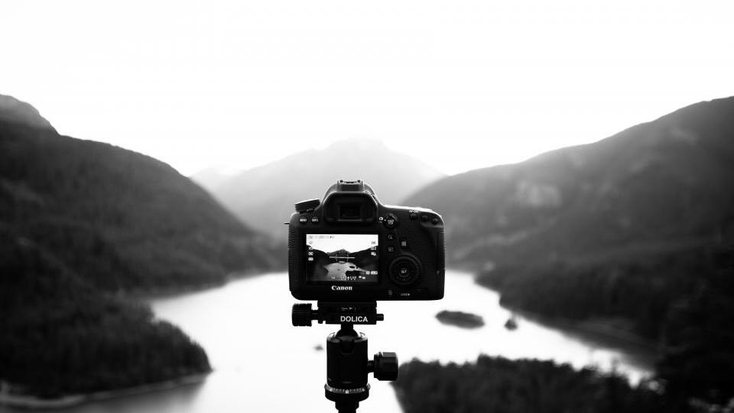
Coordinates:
column 349, row 247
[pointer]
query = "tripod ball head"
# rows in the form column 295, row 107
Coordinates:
column 347, row 365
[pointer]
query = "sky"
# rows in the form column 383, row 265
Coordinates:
column 459, row 84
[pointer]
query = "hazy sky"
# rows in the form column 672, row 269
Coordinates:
column 459, row 84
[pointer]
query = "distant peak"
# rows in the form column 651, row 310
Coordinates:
column 357, row 143
column 15, row 111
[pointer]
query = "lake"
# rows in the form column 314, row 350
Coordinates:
column 262, row 363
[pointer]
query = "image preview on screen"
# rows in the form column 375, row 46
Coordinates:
column 350, row 258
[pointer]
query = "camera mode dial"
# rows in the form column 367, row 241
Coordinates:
column 405, row 270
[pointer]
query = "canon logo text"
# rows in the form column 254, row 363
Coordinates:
column 341, row 288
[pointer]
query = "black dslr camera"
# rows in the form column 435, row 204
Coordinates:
column 351, row 248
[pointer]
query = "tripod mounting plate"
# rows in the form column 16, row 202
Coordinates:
column 336, row 313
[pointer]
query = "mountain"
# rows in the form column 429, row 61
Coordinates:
column 122, row 220
column 659, row 185
column 631, row 236
column 264, row 197
column 81, row 222
column 212, row 177
column 15, row 111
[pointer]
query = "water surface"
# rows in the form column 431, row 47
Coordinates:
column 263, row 364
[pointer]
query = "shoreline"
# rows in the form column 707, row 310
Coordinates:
column 27, row 401
column 146, row 295
column 71, row 400
column 597, row 331
column 601, row 332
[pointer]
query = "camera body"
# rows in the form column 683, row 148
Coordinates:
column 351, row 248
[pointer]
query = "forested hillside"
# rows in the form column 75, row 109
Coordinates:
column 635, row 232
column 122, row 220
column 499, row 385
column 61, row 336
column 657, row 186
column 82, row 223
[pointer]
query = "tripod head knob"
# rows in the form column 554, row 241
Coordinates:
column 385, row 366
column 302, row 315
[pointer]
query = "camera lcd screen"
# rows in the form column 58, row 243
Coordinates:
column 342, row 258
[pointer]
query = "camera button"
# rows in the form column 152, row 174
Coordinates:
column 391, row 237
column 314, row 220
column 404, row 270
column 404, row 243
column 413, row 216
column 391, row 221
column 303, row 219
column 424, row 218
column 390, row 249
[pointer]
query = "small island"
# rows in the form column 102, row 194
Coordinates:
column 460, row 319
column 511, row 323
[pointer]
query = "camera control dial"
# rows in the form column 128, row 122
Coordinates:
column 405, row 270
column 391, row 221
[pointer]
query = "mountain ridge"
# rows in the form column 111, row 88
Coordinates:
column 264, row 196
column 16, row 111
column 82, row 225
column 125, row 206
column 590, row 187
column 635, row 231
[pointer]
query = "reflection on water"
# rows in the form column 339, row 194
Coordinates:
column 261, row 363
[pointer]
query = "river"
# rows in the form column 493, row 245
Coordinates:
column 263, row 364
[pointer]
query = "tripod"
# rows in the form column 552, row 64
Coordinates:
column 347, row 365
